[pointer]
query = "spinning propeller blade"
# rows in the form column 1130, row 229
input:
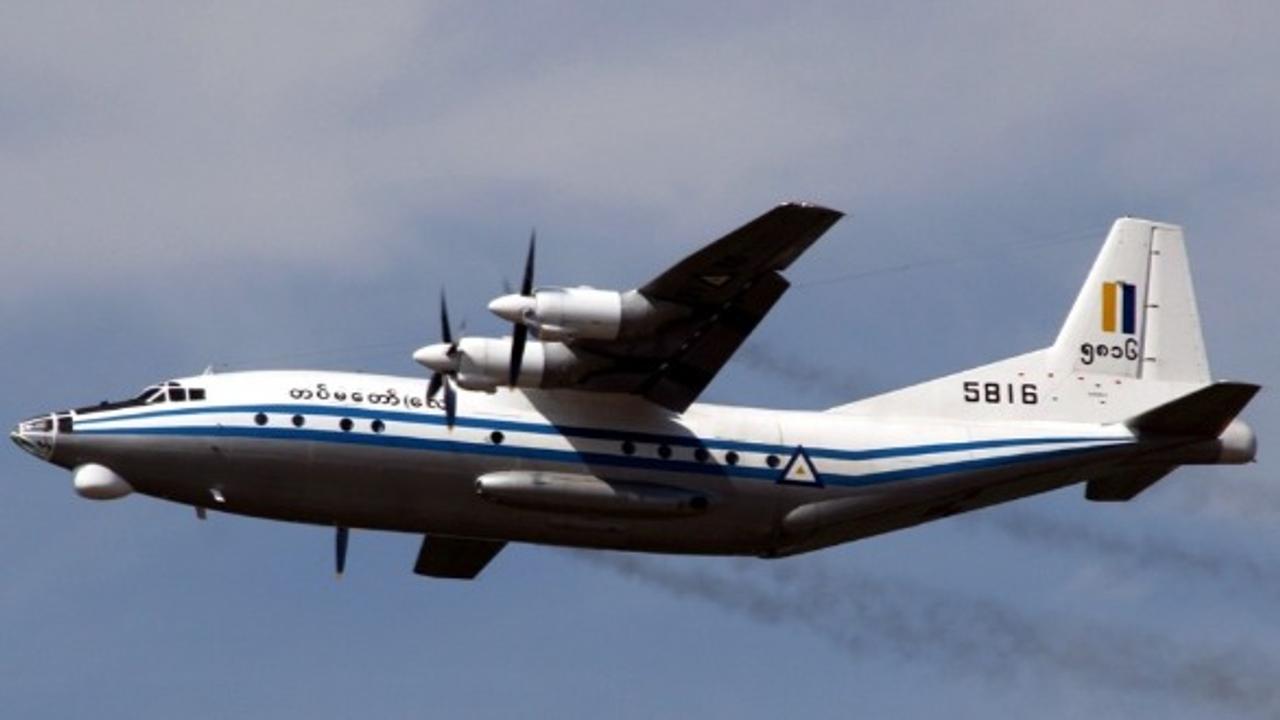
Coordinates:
column 445, row 379
column 450, row 404
column 520, row 335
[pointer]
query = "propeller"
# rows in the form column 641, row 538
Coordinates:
column 340, row 549
column 443, row 360
column 520, row 335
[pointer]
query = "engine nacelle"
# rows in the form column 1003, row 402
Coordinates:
column 578, row 312
column 484, row 364
column 583, row 312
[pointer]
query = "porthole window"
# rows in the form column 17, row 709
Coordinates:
column 664, row 451
column 378, row 426
column 731, row 457
column 299, row 421
column 497, row 437
column 628, row 447
column 772, row 461
column 346, row 424
column 701, row 455
column 260, row 419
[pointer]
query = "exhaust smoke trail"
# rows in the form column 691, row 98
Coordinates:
column 864, row 614
column 1134, row 553
column 794, row 369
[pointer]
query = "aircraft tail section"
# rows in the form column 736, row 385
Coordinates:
column 1130, row 347
column 1136, row 315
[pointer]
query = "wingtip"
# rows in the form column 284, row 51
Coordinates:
column 812, row 207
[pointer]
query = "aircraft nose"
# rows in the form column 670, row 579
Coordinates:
column 20, row 439
column 34, row 436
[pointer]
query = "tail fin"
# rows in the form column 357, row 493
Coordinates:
column 1136, row 315
column 1130, row 343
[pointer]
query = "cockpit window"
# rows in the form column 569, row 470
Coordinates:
column 171, row 391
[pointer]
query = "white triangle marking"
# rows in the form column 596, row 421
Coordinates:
column 800, row 470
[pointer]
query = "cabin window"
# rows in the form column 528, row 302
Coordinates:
column 731, row 457
column 772, row 461
column 177, row 394
column 195, row 394
column 299, row 421
column 701, row 455
column 664, row 451
column 497, row 437
column 378, row 426
column 628, row 447
column 346, row 424
column 260, row 419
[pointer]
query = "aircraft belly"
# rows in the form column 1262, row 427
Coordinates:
column 420, row 491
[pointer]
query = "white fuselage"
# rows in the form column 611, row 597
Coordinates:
column 367, row 451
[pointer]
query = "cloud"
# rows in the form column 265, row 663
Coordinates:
column 167, row 137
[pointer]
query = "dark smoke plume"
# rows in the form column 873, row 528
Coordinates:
column 864, row 614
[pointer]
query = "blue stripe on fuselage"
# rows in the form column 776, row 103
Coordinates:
column 597, row 458
column 586, row 433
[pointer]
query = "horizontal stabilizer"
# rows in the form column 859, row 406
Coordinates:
column 1125, row 484
column 456, row 558
column 1203, row 413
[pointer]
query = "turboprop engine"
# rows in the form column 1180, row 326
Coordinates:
column 561, row 313
column 579, row 312
column 482, row 363
column 568, row 314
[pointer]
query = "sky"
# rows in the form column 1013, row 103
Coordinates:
column 253, row 185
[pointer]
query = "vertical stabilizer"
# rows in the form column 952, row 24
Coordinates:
column 1136, row 315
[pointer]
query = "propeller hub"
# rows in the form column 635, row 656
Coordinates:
column 513, row 308
column 440, row 357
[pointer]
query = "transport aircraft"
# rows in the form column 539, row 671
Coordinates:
column 581, row 429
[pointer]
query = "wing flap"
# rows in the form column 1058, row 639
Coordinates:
column 454, row 557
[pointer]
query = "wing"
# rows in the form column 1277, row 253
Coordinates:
column 718, row 295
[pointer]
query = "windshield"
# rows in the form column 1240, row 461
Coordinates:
column 152, row 394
